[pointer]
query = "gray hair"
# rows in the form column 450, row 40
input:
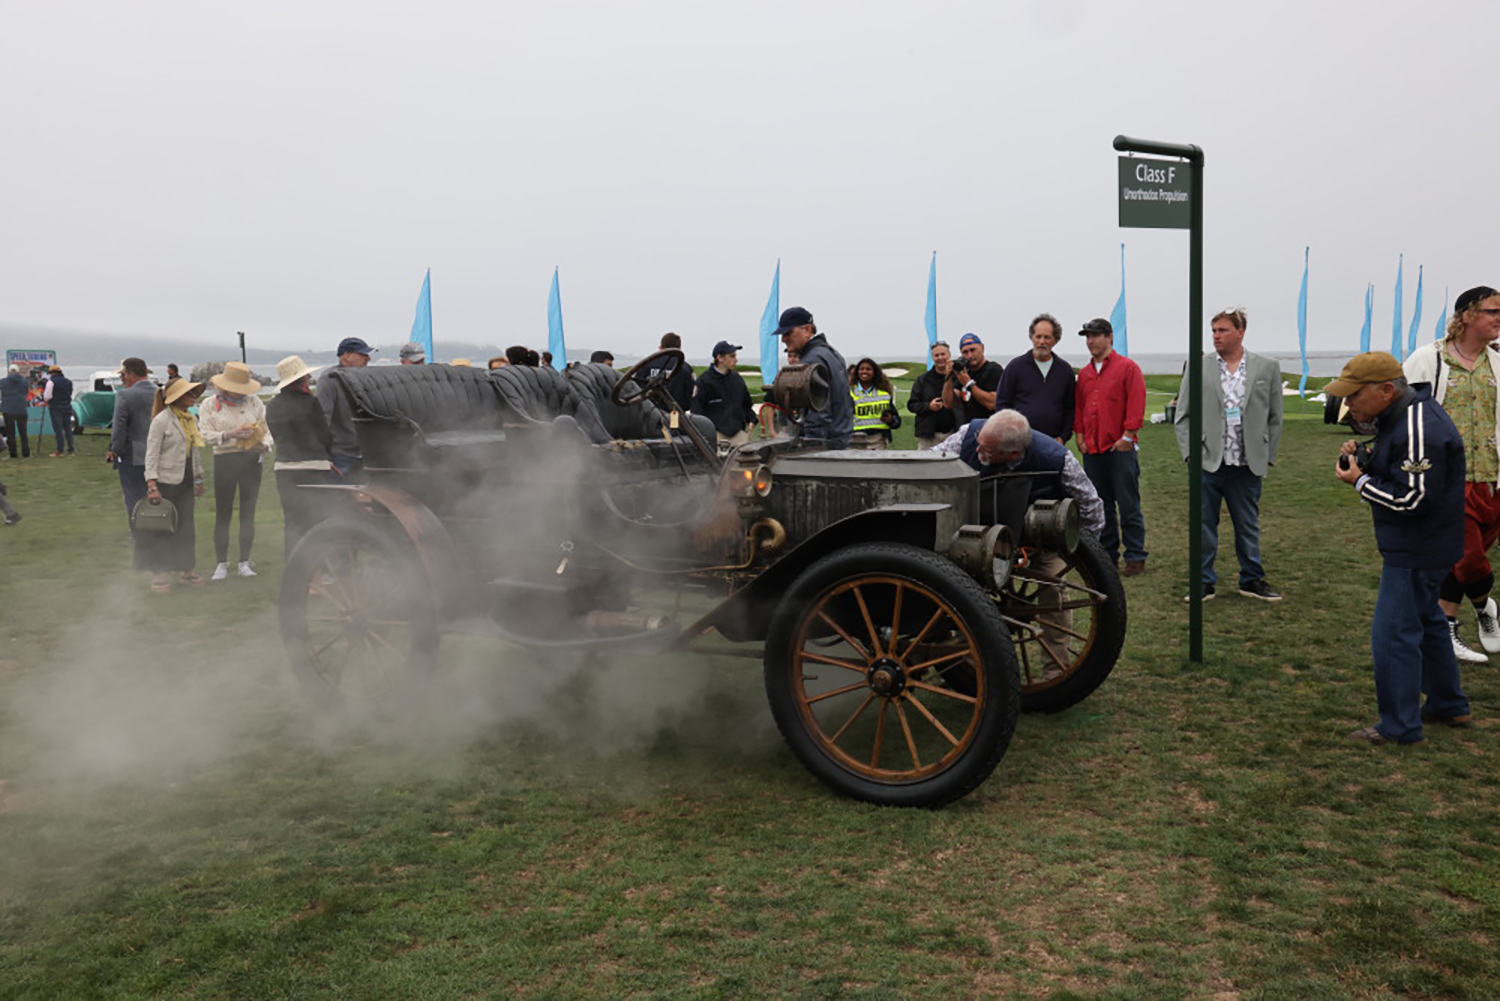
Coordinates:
column 1049, row 318
column 1009, row 430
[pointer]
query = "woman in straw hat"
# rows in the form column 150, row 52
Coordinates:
column 174, row 472
column 304, row 448
column 233, row 422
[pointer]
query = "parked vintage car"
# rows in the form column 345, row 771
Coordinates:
column 896, row 600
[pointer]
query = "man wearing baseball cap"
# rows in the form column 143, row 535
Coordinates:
column 722, row 396
column 412, row 353
column 1413, row 480
column 972, row 382
column 1109, row 407
column 799, row 333
column 1463, row 371
column 353, row 353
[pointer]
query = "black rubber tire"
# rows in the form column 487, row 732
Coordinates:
column 1094, row 657
column 930, row 589
column 372, row 580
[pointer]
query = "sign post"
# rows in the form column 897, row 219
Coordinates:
column 1168, row 194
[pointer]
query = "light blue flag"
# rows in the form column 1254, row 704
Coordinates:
column 1416, row 316
column 1302, row 324
column 1117, row 318
column 932, row 305
column 770, row 319
column 1442, row 324
column 1396, row 319
column 421, row 327
column 554, row 327
column 1364, row 332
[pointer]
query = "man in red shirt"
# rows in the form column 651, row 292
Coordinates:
column 1109, row 408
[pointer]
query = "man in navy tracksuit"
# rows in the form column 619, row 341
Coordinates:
column 1413, row 480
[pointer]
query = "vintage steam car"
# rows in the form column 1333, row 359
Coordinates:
column 906, row 608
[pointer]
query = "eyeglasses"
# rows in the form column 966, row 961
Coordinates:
column 940, row 344
column 1490, row 312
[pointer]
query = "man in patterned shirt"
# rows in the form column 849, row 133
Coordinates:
column 1242, row 412
column 1462, row 370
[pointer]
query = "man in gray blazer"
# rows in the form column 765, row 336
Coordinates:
column 1242, row 416
column 127, row 432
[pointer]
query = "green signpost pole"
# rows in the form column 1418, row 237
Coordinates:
column 1152, row 196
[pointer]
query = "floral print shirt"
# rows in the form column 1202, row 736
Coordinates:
column 1470, row 401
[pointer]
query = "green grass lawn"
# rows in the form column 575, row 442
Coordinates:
column 176, row 820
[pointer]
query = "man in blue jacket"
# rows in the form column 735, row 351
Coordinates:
column 1413, row 480
column 799, row 333
column 13, row 407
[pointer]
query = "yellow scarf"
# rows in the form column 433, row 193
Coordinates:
column 189, row 425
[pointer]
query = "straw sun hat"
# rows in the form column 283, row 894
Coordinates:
column 177, row 389
column 236, row 379
column 290, row 369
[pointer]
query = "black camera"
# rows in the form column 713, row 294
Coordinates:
column 960, row 364
column 1361, row 457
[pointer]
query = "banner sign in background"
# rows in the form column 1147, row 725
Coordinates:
column 29, row 358
column 1155, row 194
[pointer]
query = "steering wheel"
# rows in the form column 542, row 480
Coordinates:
column 671, row 360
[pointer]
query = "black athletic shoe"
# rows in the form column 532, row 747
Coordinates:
column 1208, row 594
column 1259, row 589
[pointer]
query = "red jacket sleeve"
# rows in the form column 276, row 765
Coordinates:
column 1135, row 400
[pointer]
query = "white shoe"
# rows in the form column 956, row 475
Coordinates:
column 246, row 569
column 1489, row 629
column 1461, row 650
column 221, row 572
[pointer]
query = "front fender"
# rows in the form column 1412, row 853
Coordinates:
column 746, row 615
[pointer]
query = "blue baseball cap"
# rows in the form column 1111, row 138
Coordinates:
column 354, row 345
column 968, row 339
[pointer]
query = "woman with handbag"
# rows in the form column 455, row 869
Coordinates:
column 174, row 475
column 233, row 423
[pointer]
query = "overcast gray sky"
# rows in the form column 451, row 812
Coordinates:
column 290, row 169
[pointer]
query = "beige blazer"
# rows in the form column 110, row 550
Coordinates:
column 1261, row 419
column 167, row 450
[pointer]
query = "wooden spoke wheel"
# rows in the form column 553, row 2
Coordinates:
column 858, row 666
column 1066, row 614
column 357, row 619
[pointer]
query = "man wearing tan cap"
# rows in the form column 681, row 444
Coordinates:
column 1413, row 480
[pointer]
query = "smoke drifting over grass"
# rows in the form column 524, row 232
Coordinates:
column 156, row 691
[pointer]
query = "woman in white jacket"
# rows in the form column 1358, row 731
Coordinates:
column 1463, row 370
column 174, row 472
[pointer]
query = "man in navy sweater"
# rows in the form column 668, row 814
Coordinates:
column 1413, row 480
column 1040, row 384
column 1006, row 443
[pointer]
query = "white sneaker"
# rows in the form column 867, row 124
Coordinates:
column 246, row 569
column 1489, row 629
column 221, row 572
column 1461, row 649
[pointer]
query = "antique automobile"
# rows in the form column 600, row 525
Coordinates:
column 904, row 609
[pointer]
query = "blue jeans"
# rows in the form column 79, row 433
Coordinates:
column 1117, row 477
column 132, row 484
column 1239, row 489
column 62, row 428
column 1412, row 652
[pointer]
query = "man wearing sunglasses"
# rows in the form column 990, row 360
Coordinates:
column 1463, row 370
